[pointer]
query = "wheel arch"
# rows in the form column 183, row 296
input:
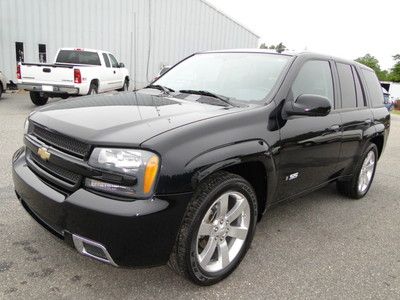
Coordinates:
column 251, row 160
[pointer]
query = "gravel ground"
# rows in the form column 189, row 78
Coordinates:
column 322, row 246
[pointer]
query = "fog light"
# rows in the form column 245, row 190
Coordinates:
column 111, row 188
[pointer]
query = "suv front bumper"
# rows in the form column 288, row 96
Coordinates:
column 134, row 233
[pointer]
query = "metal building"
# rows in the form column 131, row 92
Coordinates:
column 143, row 34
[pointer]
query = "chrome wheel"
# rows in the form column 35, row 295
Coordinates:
column 366, row 172
column 125, row 86
column 223, row 231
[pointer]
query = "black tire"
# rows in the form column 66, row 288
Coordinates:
column 64, row 96
column 183, row 257
column 350, row 187
column 93, row 89
column 125, row 87
column 1, row 89
column 39, row 98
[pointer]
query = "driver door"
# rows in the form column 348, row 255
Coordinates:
column 310, row 146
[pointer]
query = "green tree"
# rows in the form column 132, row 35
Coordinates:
column 373, row 63
column 394, row 74
column 278, row 48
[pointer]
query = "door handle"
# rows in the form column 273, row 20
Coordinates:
column 114, row 72
column 368, row 121
column 335, row 127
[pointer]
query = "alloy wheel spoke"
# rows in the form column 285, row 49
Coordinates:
column 223, row 253
column 208, row 252
column 238, row 232
column 223, row 205
column 236, row 211
column 205, row 229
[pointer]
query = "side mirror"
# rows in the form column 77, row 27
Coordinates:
column 308, row 105
column 164, row 70
column 121, row 65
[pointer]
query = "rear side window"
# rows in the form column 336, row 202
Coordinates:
column 106, row 60
column 315, row 77
column 374, row 88
column 78, row 57
column 360, row 93
column 347, row 86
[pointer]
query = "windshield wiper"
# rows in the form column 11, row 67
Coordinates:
column 209, row 94
column 165, row 89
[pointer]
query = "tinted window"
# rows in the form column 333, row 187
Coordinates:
column 347, row 86
column 114, row 62
column 360, row 93
column 242, row 76
column 374, row 88
column 315, row 77
column 78, row 57
column 106, row 60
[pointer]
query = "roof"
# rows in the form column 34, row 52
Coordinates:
column 230, row 18
column 292, row 53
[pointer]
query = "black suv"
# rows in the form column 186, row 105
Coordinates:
column 182, row 170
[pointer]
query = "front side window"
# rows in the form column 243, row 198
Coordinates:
column 114, row 62
column 315, row 78
column 239, row 76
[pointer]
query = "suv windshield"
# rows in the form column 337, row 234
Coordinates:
column 240, row 76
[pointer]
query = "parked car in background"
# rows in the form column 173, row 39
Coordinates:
column 75, row 72
column 182, row 170
column 389, row 103
column 3, row 83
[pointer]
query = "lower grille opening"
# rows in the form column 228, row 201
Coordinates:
column 92, row 249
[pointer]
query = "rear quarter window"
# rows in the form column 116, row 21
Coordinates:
column 78, row 57
column 374, row 88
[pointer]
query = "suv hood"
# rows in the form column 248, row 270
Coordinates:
column 126, row 119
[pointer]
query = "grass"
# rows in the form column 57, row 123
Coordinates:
column 396, row 112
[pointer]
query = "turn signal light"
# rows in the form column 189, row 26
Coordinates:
column 18, row 71
column 77, row 76
column 150, row 174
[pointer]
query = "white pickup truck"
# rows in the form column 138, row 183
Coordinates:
column 75, row 72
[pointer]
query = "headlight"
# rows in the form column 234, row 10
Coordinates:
column 26, row 126
column 141, row 164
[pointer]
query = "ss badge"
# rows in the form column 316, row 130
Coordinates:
column 292, row 176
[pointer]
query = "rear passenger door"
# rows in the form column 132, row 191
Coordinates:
column 356, row 116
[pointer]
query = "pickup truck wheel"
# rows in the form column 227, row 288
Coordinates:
column 93, row 89
column 125, row 87
column 1, row 89
column 363, row 176
column 217, row 229
column 38, row 98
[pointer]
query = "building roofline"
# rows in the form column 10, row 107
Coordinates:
column 230, row 18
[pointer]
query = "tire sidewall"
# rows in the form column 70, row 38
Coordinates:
column 370, row 147
column 202, row 277
column 94, row 88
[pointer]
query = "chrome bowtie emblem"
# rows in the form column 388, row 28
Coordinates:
column 43, row 153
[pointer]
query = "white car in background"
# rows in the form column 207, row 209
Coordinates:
column 75, row 72
column 3, row 83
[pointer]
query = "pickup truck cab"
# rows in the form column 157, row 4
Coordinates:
column 182, row 170
column 75, row 72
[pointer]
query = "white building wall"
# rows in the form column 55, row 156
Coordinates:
column 168, row 30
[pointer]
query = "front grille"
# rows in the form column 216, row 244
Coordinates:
column 61, row 142
column 57, row 171
column 53, row 175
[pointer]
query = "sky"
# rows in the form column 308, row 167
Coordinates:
column 342, row 28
